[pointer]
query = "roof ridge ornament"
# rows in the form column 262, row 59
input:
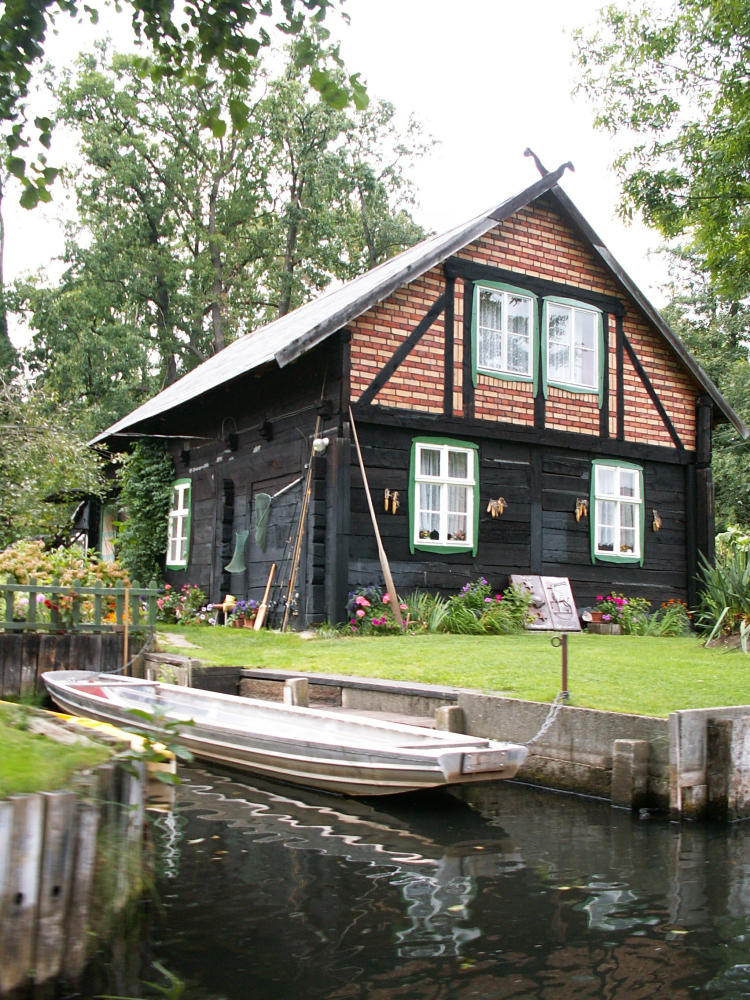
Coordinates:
column 542, row 169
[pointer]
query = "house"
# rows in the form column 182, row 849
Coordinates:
column 521, row 408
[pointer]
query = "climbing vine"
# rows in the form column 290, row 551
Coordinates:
column 145, row 480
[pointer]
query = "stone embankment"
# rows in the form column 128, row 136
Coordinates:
column 695, row 764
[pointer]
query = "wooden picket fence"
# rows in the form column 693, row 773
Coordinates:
column 54, row 607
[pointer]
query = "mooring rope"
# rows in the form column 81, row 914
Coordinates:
column 554, row 711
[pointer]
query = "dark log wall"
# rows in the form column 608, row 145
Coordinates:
column 252, row 437
column 537, row 533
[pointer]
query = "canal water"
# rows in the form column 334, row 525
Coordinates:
column 264, row 892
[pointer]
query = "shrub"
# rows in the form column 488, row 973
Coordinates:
column 186, row 606
column 724, row 602
column 476, row 611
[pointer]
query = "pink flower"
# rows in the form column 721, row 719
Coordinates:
column 360, row 613
column 403, row 607
column 606, row 618
column 599, row 597
column 362, row 601
column 386, row 598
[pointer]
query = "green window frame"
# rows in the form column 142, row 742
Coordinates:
column 178, row 525
column 573, row 355
column 617, row 512
column 505, row 333
column 443, row 495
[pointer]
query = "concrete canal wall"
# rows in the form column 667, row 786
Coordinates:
column 696, row 763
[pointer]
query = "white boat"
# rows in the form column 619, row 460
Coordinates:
column 313, row 747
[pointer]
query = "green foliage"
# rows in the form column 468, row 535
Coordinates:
column 145, row 480
column 477, row 611
column 471, row 612
column 31, row 762
column 676, row 80
column 158, row 743
column 186, row 606
column 45, row 465
column 724, row 601
column 715, row 331
column 205, row 35
column 186, row 240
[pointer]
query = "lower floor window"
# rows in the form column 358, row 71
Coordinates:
column 178, row 527
column 617, row 504
column 443, row 494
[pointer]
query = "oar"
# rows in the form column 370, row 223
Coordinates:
column 263, row 609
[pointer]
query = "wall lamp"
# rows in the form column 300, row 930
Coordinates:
column 319, row 446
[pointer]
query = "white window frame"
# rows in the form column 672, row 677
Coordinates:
column 178, row 525
column 567, row 380
column 444, row 481
column 608, row 506
column 506, row 293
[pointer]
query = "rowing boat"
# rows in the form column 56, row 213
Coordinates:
column 313, row 747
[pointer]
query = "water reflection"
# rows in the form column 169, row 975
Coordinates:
column 268, row 893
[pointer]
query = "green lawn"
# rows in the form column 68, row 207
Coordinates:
column 33, row 763
column 647, row 676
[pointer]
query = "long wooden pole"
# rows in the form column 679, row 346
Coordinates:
column 300, row 530
column 381, row 551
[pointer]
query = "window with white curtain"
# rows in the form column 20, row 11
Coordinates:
column 617, row 522
column 572, row 343
column 444, row 481
column 504, row 331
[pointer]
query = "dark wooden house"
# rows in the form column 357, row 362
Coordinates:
column 528, row 408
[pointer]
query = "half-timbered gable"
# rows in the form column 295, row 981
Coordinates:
column 520, row 406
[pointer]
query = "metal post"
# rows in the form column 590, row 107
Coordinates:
column 562, row 642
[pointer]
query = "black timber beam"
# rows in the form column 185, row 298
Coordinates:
column 458, row 267
column 643, row 376
column 587, row 444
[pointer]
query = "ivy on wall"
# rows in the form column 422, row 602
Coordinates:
column 145, row 480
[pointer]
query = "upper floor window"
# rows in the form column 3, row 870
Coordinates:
column 444, row 495
column 178, row 526
column 617, row 505
column 573, row 335
column 504, row 327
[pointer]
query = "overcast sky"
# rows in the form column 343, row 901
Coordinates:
column 487, row 78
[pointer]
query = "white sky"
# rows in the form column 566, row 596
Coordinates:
column 487, row 78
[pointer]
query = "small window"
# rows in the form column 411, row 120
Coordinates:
column 443, row 495
column 504, row 326
column 178, row 530
column 573, row 333
column 108, row 533
column 617, row 503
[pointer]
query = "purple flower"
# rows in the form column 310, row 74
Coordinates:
column 606, row 618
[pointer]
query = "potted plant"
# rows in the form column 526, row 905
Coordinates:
column 608, row 611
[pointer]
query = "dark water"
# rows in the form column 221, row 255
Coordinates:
column 270, row 893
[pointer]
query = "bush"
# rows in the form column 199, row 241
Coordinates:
column 476, row 611
column 186, row 606
column 724, row 602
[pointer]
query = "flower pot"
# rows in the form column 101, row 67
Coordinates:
column 596, row 616
column 237, row 622
column 250, row 622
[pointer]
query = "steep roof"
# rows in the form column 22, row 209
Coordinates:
column 286, row 339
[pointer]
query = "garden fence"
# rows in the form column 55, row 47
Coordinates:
column 56, row 607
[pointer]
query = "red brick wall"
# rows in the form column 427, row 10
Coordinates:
column 536, row 241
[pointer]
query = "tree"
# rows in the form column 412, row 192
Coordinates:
column 679, row 84
column 230, row 35
column 187, row 240
column 45, row 467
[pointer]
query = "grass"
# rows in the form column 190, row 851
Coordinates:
column 35, row 763
column 635, row 674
